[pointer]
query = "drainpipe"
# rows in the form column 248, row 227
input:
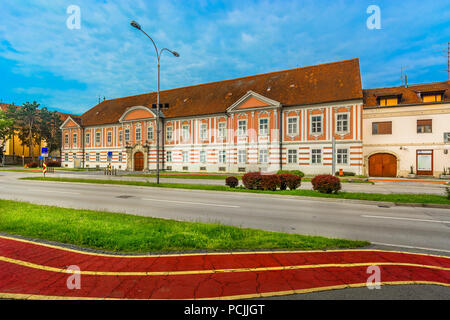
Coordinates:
column 281, row 137
column 82, row 143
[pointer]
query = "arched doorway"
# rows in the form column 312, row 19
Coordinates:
column 138, row 161
column 382, row 165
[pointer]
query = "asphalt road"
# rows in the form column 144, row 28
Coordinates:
column 399, row 228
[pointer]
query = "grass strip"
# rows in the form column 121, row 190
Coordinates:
column 396, row 198
column 129, row 233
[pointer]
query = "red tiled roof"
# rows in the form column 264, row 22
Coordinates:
column 337, row 81
column 409, row 94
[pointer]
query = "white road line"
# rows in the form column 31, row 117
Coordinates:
column 52, row 191
column 194, row 203
column 409, row 247
column 409, row 219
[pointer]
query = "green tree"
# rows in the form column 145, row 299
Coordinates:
column 49, row 129
column 28, row 121
column 5, row 130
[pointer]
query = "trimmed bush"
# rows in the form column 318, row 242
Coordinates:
column 232, row 182
column 252, row 180
column 32, row 165
column 53, row 164
column 296, row 172
column 270, row 182
column 326, row 183
column 289, row 180
column 346, row 173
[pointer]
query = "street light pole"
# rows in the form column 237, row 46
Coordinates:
column 158, row 56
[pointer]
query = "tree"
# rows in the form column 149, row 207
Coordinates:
column 49, row 129
column 5, row 130
column 28, row 122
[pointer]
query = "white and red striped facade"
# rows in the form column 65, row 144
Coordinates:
column 244, row 138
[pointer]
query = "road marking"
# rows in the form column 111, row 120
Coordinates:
column 194, row 203
column 409, row 219
column 52, row 191
column 410, row 247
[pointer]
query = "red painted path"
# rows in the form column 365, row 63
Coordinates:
column 30, row 270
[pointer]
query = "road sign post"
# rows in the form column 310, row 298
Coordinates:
column 44, row 168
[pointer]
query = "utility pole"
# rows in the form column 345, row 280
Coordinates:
column 447, row 55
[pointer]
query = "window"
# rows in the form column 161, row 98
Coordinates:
column 120, row 157
column 169, row 156
column 222, row 156
column 150, row 133
column 388, row 101
column 120, row 136
column 316, row 124
column 242, row 156
column 203, row 131
column 169, row 131
column 88, row 138
column 97, row 157
column 185, row 155
column 74, row 155
column 75, row 138
column 292, row 125
column 263, row 156
column 382, row 127
column 66, row 139
column 342, row 122
column 263, row 127
column 222, row 129
column 242, row 127
column 97, row 137
column 185, row 132
column 424, row 126
column 109, row 137
column 432, row 97
column 66, row 156
column 202, row 156
column 292, row 156
column 342, row 156
column 137, row 134
column 86, row 157
column 127, row 135
column 316, row 156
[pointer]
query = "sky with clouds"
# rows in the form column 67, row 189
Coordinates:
column 68, row 69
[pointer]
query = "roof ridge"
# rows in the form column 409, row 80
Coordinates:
column 410, row 85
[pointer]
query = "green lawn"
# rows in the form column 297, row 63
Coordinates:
column 186, row 176
column 128, row 233
column 396, row 198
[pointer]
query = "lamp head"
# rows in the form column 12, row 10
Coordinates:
column 135, row 25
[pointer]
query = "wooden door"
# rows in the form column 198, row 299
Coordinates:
column 138, row 161
column 383, row 165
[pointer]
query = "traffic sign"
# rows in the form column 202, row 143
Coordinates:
column 44, row 152
column 44, row 168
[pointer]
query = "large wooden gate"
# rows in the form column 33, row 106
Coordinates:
column 382, row 165
column 138, row 161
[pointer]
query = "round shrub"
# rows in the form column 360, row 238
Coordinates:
column 232, row 182
column 270, row 182
column 289, row 180
column 326, row 183
column 53, row 164
column 252, row 180
column 296, row 172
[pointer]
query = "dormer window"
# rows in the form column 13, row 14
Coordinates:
column 388, row 101
column 431, row 97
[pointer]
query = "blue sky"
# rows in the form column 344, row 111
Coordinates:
column 67, row 70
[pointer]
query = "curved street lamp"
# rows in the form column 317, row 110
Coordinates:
column 158, row 56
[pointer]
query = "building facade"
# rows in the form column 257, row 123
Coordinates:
column 407, row 130
column 281, row 120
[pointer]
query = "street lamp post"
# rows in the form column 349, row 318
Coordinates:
column 158, row 56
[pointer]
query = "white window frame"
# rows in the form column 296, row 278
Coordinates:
column 66, row 139
column 127, row 135
column 88, row 138
column 169, row 133
column 150, row 133
column 263, row 156
column 109, row 137
column 202, row 156
column 263, row 129
column 75, row 139
column 312, row 124
column 290, row 126
column 120, row 157
column 221, row 127
column 120, row 136
column 316, row 156
column 169, row 156
column 242, row 130
column 203, row 134
column 86, row 157
column 185, row 156
column 347, row 114
column 185, row 132
column 66, row 156
column 136, row 136
column 339, row 156
column 97, row 157
column 292, row 156
column 98, row 138
column 222, row 156
column 242, row 156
